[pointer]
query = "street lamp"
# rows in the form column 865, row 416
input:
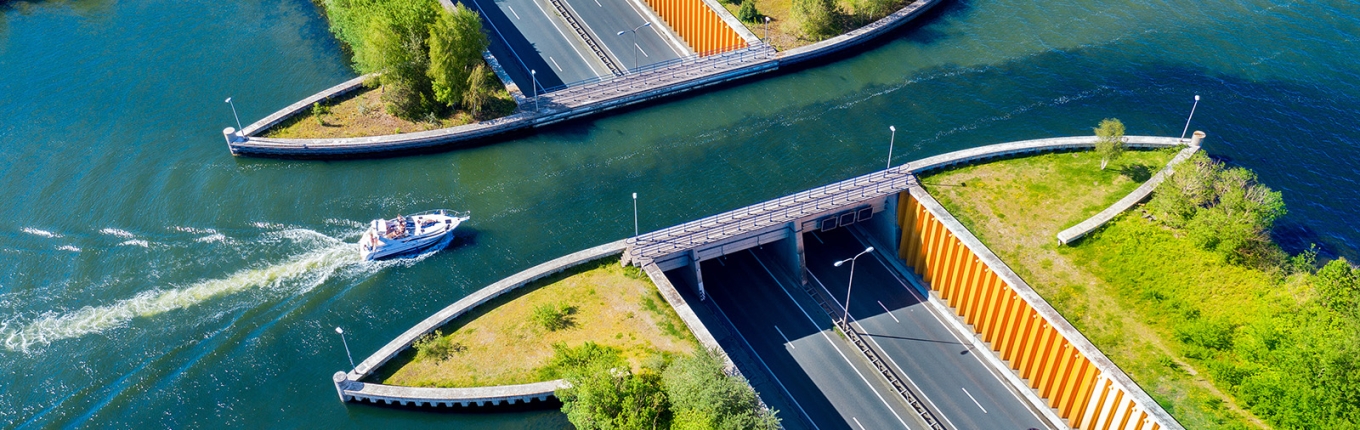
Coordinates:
column 767, row 29
column 238, row 117
column 533, row 76
column 891, row 141
column 1192, row 115
column 850, row 284
column 342, row 339
column 635, row 218
column 636, row 48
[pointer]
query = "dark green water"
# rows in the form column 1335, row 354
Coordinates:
column 152, row 280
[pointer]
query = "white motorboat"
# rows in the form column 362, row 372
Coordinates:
column 406, row 235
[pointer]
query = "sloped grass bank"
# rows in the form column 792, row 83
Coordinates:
column 362, row 114
column 509, row 341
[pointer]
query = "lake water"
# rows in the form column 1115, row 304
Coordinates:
column 152, row 280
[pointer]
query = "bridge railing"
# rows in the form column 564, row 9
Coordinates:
column 666, row 71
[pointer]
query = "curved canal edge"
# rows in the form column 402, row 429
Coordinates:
column 350, row 387
column 1139, row 194
column 571, row 103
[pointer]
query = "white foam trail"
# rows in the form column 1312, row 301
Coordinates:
column 267, row 225
column 215, row 237
column 302, row 272
column 40, row 232
column 68, row 248
column 117, row 232
column 136, row 242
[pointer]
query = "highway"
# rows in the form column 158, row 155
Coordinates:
column 889, row 312
column 532, row 36
column 831, row 384
column 606, row 18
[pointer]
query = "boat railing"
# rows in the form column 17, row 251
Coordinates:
column 447, row 212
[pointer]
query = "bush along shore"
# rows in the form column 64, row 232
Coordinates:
column 427, row 65
column 1187, row 293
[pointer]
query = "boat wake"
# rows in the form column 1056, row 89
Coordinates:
column 298, row 274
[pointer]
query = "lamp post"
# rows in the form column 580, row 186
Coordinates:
column 342, row 339
column 533, row 76
column 767, row 29
column 635, row 218
column 1192, row 115
column 636, row 48
column 891, row 141
column 238, row 117
column 850, row 285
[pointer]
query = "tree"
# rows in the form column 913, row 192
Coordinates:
column 817, row 18
column 479, row 90
column 394, row 45
column 747, row 12
column 1222, row 209
column 702, row 396
column 603, row 393
column 1109, row 140
column 456, row 44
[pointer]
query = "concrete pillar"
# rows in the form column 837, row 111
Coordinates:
column 883, row 226
column 1197, row 137
column 698, row 275
column 789, row 253
column 341, row 380
column 802, row 256
column 232, row 136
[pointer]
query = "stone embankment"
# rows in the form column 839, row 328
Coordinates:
column 645, row 84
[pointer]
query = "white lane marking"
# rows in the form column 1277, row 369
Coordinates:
column 766, row 366
column 554, row 61
column 885, row 309
column 975, row 402
column 861, row 426
column 786, row 338
column 567, row 39
column 644, row 53
column 900, row 372
column 819, row 238
column 911, row 288
column 607, row 52
column 829, row 341
column 670, row 42
column 597, row 3
column 512, row 11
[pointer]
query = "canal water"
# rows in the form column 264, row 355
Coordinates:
column 152, row 280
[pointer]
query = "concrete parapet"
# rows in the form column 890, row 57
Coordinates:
column 302, row 105
column 1139, row 194
column 672, row 296
column 350, row 387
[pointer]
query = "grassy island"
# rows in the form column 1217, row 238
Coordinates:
column 513, row 339
column 1223, row 333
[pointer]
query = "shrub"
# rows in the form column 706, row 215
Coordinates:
column 437, row 346
column 554, row 316
column 1222, row 209
column 816, row 18
column 702, row 396
column 747, row 12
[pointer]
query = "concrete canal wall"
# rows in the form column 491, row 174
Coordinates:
column 693, row 74
column 1126, row 203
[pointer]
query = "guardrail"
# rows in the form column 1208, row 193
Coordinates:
column 667, row 71
column 570, row 16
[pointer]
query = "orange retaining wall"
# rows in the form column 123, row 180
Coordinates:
column 701, row 28
column 1071, row 383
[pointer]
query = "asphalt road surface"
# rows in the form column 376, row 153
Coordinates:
column 529, row 35
column 831, row 383
column 606, row 18
column 945, row 370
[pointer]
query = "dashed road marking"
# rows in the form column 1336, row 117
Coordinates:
column 559, row 67
column 975, row 402
column 512, row 11
column 786, row 338
column 885, row 309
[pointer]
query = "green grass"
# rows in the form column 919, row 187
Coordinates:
column 510, row 339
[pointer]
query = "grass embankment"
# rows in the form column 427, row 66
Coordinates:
column 502, row 342
column 362, row 114
column 784, row 31
column 1128, row 287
